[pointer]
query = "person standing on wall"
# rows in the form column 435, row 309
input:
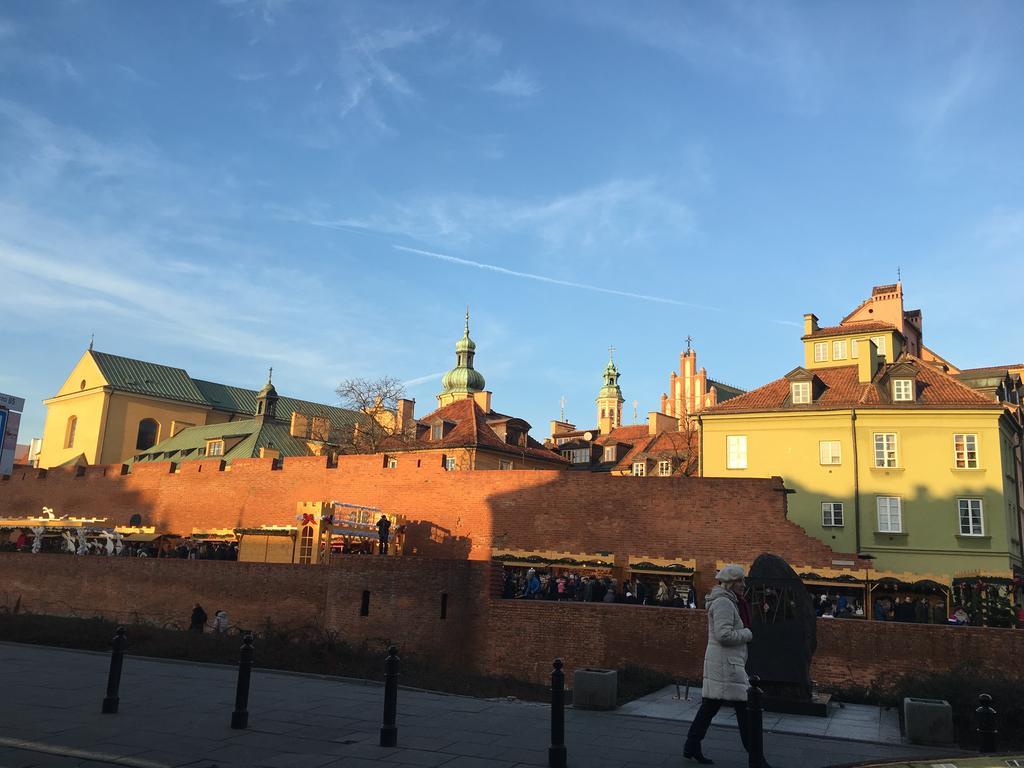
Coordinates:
column 725, row 674
column 383, row 531
column 198, row 622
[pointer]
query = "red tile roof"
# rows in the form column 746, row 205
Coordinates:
column 855, row 327
column 472, row 431
column 841, row 389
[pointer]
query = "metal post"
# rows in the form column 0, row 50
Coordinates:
column 111, row 701
column 755, row 733
column 556, row 752
column 240, row 717
column 388, row 730
column 987, row 731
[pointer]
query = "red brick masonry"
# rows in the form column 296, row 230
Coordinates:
column 458, row 515
column 496, row 636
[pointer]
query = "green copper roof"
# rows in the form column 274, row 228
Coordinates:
column 463, row 378
column 190, row 443
column 611, row 381
column 130, row 375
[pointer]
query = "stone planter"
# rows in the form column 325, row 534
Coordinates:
column 595, row 688
column 928, row 721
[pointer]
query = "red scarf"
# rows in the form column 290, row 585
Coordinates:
column 744, row 609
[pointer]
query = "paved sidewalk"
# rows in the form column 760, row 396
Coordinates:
column 178, row 714
column 856, row 722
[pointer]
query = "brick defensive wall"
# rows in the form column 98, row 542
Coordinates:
column 494, row 636
column 453, row 515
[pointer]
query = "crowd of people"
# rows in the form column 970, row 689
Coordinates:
column 917, row 610
column 584, row 588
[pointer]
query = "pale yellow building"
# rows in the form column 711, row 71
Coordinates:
column 112, row 408
column 886, row 452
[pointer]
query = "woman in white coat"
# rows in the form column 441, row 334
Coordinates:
column 725, row 661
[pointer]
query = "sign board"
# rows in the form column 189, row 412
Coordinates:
column 12, row 403
column 9, row 423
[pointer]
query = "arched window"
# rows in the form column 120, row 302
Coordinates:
column 69, row 432
column 135, row 521
column 149, row 431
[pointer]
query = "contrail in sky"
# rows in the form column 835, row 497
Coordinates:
column 423, row 379
column 552, row 280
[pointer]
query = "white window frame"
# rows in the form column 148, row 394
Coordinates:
column 886, row 454
column 450, row 465
column 832, row 514
column 436, row 431
column 504, row 464
column 800, row 392
column 971, row 507
column 962, row 455
column 879, row 344
column 665, row 468
column 830, row 452
column 218, row 444
column 736, row 452
column 639, row 469
column 392, row 462
column 577, row 455
column 821, row 351
column 609, row 453
column 893, row 511
column 839, row 349
column 855, row 348
column 903, row 390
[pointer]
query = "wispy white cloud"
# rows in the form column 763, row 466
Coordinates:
column 515, row 83
column 423, row 379
column 551, row 280
column 620, row 212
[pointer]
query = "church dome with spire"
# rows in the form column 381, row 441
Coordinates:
column 463, row 379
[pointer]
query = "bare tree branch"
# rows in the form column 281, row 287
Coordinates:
column 378, row 400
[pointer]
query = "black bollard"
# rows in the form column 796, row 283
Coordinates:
column 987, row 731
column 388, row 730
column 111, row 700
column 556, row 752
column 240, row 717
column 755, row 725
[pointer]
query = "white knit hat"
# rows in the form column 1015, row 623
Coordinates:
column 731, row 572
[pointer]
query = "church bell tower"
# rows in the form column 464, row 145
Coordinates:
column 609, row 399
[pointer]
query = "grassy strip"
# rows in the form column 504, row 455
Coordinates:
column 305, row 648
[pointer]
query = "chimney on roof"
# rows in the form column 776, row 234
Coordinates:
column 810, row 323
column 404, row 415
column 561, row 427
column 867, row 361
column 661, row 422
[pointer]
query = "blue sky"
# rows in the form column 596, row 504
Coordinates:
column 317, row 186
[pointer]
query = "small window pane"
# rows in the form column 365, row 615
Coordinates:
column 664, row 468
column 970, row 517
column 736, row 452
column 829, row 452
column 832, row 514
column 890, row 515
column 903, row 389
column 639, row 469
column 965, row 451
column 839, row 349
column 820, row 351
column 609, row 453
column 801, row 392
column 885, row 450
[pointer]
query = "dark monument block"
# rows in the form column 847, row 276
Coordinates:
column 785, row 637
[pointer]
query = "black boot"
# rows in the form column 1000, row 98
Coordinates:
column 695, row 754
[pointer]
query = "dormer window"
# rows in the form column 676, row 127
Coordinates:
column 801, row 391
column 436, row 431
column 903, row 390
column 214, row 447
column 609, row 453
